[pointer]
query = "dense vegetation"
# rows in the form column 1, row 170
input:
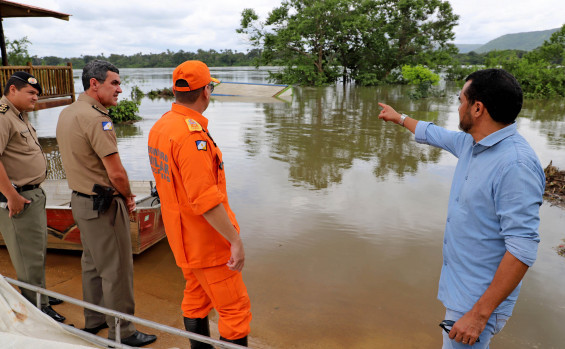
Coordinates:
column 319, row 42
column 395, row 50
column 169, row 59
column 541, row 72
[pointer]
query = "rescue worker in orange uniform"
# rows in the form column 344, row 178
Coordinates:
column 201, row 228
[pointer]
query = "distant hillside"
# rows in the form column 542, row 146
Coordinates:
column 466, row 48
column 519, row 41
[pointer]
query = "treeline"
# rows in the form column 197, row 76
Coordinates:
column 168, row 59
column 474, row 58
column 541, row 72
column 371, row 42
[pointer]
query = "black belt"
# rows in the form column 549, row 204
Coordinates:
column 83, row 195
column 26, row 187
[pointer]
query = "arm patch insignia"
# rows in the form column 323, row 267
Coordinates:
column 4, row 108
column 202, row 145
column 107, row 126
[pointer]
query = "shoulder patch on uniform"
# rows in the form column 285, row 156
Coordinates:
column 107, row 126
column 4, row 108
column 100, row 110
column 193, row 125
column 202, row 145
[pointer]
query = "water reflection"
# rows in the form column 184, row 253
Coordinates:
column 325, row 130
column 128, row 131
column 54, row 163
column 548, row 117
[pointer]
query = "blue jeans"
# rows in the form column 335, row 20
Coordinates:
column 494, row 325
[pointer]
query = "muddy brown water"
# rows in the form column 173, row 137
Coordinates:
column 342, row 218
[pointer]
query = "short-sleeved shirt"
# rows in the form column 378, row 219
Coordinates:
column 493, row 208
column 189, row 173
column 85, row 134
column 20, row 151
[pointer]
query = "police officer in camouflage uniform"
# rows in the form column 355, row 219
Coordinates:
column 23, row 167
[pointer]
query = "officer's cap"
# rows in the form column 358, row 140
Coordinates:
column 27, row 78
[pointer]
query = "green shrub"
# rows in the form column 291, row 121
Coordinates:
column 125, row 111
column 136, row 93
column 422, row 77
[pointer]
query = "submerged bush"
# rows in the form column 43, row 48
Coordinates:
column 422, row 77
column 125, row 111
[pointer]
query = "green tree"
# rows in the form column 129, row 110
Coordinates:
column 404, row 32
column 17, row 51
column 552, row 50
column 300, row 36
column 541, row 72
column 367, row 40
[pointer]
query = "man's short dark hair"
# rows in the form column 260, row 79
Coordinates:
column 16, row 82
column 499, row 91
column 97, row 69
column 187, row 97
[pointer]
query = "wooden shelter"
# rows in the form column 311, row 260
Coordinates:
column 56, row 81
column 9, row 9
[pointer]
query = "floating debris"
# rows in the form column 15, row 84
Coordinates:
column 561, row 250
column 554, row 185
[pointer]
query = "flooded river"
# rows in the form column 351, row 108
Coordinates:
column 342, row 215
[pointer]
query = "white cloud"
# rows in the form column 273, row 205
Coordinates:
column 129, row 27
column 484, row 20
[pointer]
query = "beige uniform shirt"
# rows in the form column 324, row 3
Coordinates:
column 20, row 152
column 85, row 134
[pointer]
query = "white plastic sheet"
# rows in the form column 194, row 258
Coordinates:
column 22, row 325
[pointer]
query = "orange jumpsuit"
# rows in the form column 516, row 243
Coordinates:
column 189, row 174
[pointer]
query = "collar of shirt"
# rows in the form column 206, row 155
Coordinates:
column 83, row 97
column 494, row 138
column 21, row 115
column 193, row 114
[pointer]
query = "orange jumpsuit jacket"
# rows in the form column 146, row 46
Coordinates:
column 189, row 174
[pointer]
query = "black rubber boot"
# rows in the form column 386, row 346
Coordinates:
column 241, row 341
column 199, row 326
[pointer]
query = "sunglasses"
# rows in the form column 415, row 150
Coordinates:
column 448, row 324
column 211, row 87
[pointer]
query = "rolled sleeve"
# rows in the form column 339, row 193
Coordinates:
column 525, row 250
column 420, row 133
column 207, row 200
column 518, row 196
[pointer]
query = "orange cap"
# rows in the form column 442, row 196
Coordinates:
column 195, row 73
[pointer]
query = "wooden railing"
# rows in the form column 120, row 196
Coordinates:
column 56, row 81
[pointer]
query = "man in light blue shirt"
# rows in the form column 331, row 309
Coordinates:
column 491, row 234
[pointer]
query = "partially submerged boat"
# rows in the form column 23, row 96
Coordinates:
column 146, row 223
column 253, row 92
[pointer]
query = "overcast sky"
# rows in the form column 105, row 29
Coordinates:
column 150, row 26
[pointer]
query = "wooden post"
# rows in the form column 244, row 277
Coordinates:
column 3, row 44
column 72, row 80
